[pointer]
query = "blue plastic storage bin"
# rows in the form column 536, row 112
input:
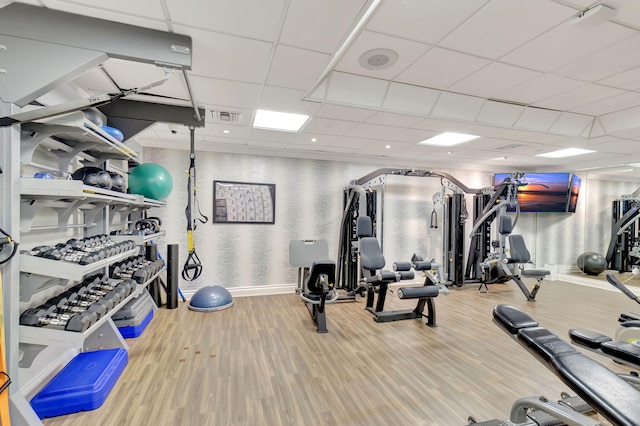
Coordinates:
column 132, row 331
column 82, row 385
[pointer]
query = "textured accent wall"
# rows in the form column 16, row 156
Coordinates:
column 309, row 205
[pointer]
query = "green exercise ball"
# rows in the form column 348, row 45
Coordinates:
column 150, row 180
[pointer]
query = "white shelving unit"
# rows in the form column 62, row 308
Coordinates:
column 64, row 139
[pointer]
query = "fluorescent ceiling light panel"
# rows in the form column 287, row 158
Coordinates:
column 448, row 139
column 568, row 152
column 283, row 121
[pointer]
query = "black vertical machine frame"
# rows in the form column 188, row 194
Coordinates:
column 454, row 239
column 620, row 258
column 347, row 265
column 480, row 244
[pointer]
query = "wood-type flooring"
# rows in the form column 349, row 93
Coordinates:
column 262, row 363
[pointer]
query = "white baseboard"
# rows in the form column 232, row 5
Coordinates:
column 263, row 290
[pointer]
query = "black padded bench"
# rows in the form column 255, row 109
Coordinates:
column 605, row 391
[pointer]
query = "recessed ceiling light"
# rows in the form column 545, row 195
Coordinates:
column 450, row 152
column 282, row 121
column 634, row 165
column 568, row 152
column 225, row 131
column 313, row 139
column 448, row 139
column 388, row 146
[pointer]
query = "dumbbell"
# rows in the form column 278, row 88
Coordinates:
column 117, row 294
column 80, row 299
column 46, row 316
column 62, row 304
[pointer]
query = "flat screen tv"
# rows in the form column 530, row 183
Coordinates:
column 574, row 191
column 544, row 192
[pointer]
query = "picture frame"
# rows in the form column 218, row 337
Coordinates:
column 244, row 202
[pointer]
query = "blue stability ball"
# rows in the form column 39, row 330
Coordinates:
column 211, row 298
column 150, row 180
column 591, row 263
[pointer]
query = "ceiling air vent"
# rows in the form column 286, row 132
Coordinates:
column 225, row 116
column 510, row 146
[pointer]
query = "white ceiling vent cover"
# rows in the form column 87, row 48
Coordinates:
column 225, row 116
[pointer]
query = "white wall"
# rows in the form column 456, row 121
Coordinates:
column 309, row 204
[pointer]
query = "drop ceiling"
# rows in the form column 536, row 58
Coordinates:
column 529, row 77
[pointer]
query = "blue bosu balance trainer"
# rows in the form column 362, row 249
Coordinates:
column 211, row 298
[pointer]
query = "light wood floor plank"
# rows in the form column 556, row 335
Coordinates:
column 262, row 363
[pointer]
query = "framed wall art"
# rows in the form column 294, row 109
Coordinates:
column 244, row 202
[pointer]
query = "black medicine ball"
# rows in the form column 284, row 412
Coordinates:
column 93, row 176
column 117, row 182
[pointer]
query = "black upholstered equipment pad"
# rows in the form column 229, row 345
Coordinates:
column 402, row 266
column 418, row 292
column 534, row 272
column 512, row 318
column 588, row 338
column 325, row 267
column 544, row 344
column 601, row 388
column 622, row 350
column 422, row 266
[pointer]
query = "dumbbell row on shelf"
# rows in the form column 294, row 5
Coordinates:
column 85, row 251
column 137, row 268
column 81, row 306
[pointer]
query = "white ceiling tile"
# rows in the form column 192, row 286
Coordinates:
column 571, row 124
column 246, row 18
column 318, row 26
column 628, row 80
column 503, row 25
column 325, row 126
column 146, row 13
column 606, row 62
column 305, row 137
column 356, row 90
column 542, row 87
column 612, row 104
column 228, row 57
column 581, row 96
column 371, row 131
column 537, row 119
column 438, row 125
column 266, row 144
column 416, row 20
column 408, row 52
column 391, row 119
column 493, row 79
column 217, row 130
column 411, row 135
column 411, row 99
column 458, row 107
column 378, row 145
column 564, row 44
column 620, row 121
column 440, row 68
column 339, row 112
column 225, row 93
column 499, row 113
column 271, row 136
column 350, row 142
column 628, row 12
column 283, row 74
column 286, row 100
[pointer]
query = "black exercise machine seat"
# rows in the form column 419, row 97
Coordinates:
column 623, row 352
column 605, row 391
column 318, row 290
column 313, row 284
column 518, row 253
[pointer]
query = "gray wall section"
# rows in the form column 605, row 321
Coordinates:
column 309, row 204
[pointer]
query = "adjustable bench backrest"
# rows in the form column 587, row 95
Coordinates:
column 601, row 388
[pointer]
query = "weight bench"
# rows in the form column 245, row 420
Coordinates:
column 372, row 260
column 318, row 290
column 606, row 392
